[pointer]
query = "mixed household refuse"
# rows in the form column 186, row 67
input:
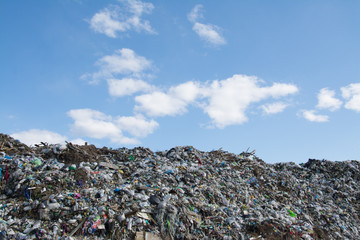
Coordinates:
column 82, row 192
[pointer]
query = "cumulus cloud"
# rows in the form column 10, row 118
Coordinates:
column 312, row 116
column 92, row 123
column 123, row 61
column 326, row 100
column 352, row 94
column 171, row 103
column 207, row 32
column 114, row 19
column 229, row 99
column 106, row 22
column 137, row 126
column 78, row 141
column 225, row 101
column 35, row 136
column 159, row 104
column 95, row 124
column 273, row 108
column 127, row 86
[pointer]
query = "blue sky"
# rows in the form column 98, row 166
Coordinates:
column 281, row 77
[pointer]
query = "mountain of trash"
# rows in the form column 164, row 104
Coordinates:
column 82, row 192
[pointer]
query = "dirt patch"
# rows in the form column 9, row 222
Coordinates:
column 321, row 233
column 272, row 231
column 76, row 154
column 11, row 146
column 81, row 175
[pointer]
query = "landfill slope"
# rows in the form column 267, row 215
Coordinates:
column 84, row 192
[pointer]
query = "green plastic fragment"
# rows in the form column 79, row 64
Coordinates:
column 291, row 213
column 37, row 162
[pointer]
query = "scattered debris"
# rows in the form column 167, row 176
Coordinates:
column 83, row 192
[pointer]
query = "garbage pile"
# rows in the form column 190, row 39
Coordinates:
column 83, row 192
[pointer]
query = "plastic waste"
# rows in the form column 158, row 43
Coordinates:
column 83, row 192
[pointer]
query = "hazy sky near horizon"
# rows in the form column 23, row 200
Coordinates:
column 281, row 77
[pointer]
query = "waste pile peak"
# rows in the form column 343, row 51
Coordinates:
column 53, row 191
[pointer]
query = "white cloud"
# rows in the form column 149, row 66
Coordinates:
column 95, row 124
column 78, row 141
column 172, row 103
column 115, row 19
column 326, row 100
column 106, row 22
column 137, row 126
column 186, row 92
column 277, row 90
column 138, row 8
column 35, row 136
column 352, row 94
column 195, row 14
column 208, row 32
column 127, row 86
column 311, row 116
column 123, row 61
column 159, row 104
column 273, row 108
column 225, row 101
column 229, row 99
